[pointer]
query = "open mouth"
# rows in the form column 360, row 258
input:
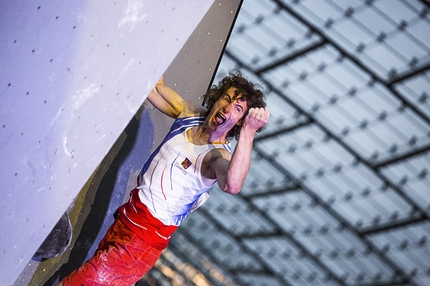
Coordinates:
column 220, row 118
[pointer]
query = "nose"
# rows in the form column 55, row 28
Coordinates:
column 227, row 108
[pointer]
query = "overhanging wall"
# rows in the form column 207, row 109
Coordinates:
column 72, row 75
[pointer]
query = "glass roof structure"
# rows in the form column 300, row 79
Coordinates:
column 339, row 188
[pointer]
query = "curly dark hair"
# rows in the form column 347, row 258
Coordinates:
column 250, row 92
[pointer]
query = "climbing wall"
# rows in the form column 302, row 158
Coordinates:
column 72, row 75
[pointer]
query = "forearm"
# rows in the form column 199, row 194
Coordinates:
column 240, row 162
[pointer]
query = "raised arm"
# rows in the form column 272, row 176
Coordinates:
column 170, row 102
column 231, row 174
column 166, row 99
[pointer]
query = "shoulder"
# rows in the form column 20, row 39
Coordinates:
column 216, row 158
column 217, row 154
column 191, row 109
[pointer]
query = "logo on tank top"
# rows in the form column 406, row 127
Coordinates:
column 186, row 163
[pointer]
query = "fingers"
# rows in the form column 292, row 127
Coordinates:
column 257, row 117
column 261, row 113
column 160, row 81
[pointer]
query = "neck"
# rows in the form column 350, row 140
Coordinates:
column 203, row 135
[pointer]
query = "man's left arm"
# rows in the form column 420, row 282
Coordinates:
column 231, row 174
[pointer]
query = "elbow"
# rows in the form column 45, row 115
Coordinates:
column 232, row 189
column 234, row 192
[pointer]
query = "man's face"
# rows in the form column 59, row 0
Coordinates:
column 228, row 111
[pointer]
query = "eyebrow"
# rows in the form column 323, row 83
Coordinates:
column 237, row 96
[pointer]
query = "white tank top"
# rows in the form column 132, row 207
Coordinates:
column 171, row 185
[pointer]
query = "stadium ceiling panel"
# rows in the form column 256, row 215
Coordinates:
column 339, row 189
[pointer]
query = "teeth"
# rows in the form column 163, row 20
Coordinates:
column 220, row 118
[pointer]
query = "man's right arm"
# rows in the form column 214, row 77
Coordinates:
column 231, row 173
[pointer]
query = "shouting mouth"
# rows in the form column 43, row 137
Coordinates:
column 220, row 118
